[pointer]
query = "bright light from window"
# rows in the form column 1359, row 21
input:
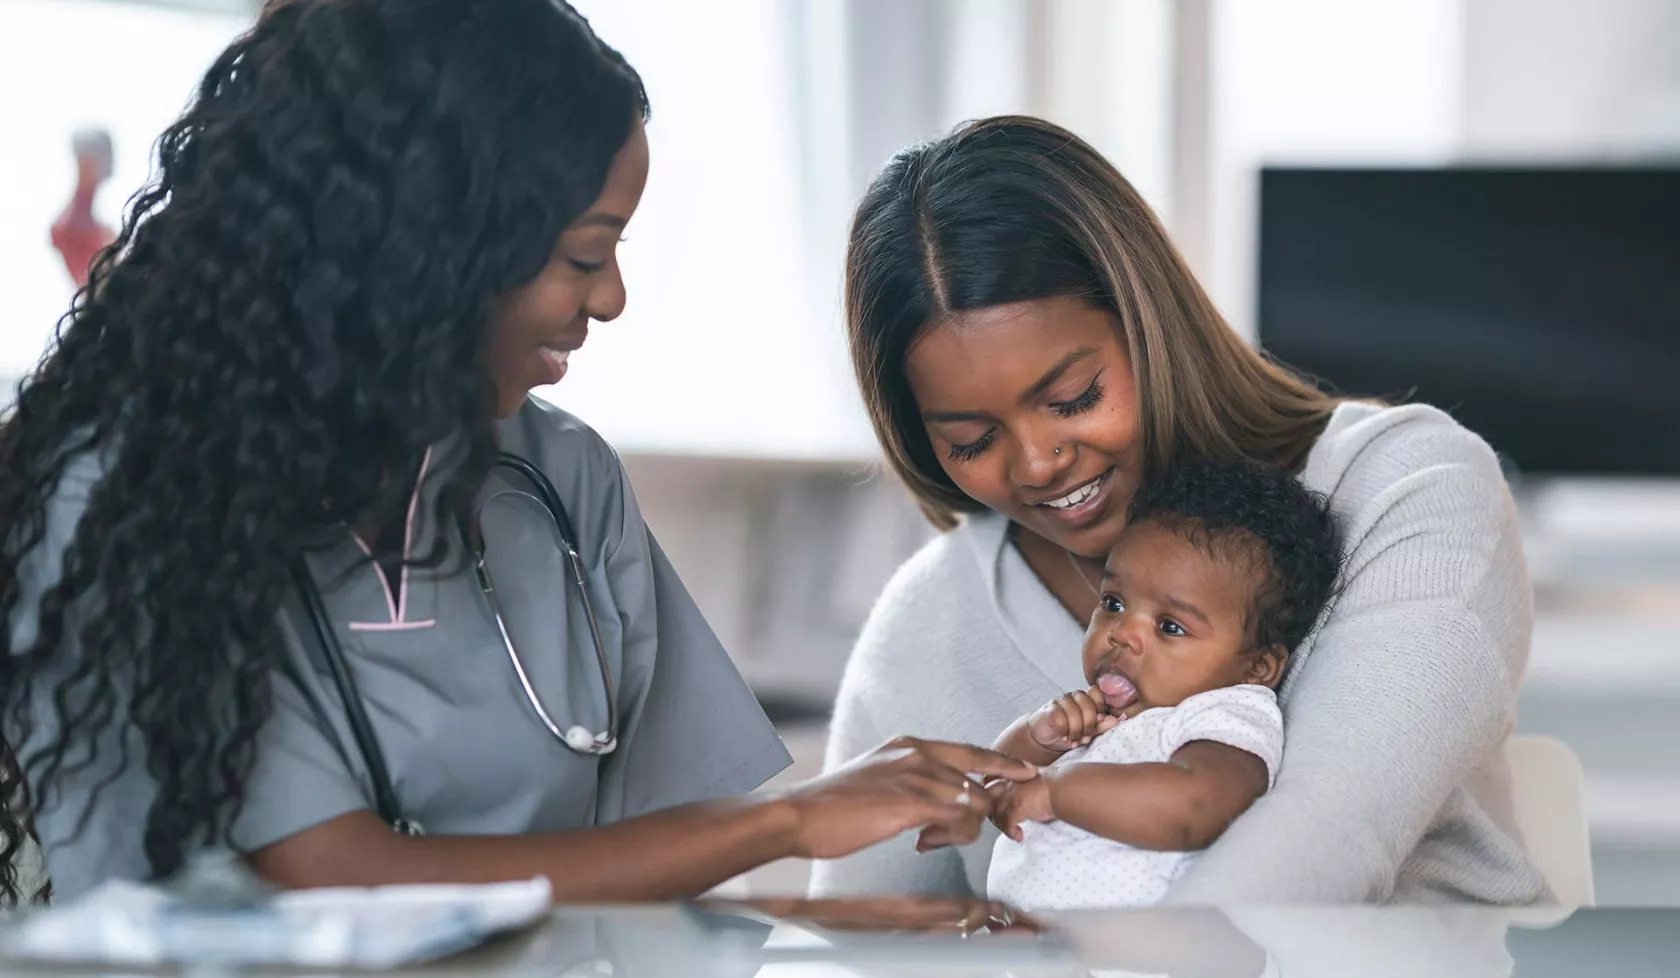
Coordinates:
column 724, row 348
column 66, row 64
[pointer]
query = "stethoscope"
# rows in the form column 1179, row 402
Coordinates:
column 576, row 736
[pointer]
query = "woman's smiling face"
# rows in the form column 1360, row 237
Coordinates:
column 1032, row 409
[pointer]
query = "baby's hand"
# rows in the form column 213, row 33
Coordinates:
column 1014, row 803
column 1071, row 720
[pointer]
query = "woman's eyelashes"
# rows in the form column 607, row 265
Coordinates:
column 1084, row 402
column 962, row 453
column 590, row 267
column 1091, row 397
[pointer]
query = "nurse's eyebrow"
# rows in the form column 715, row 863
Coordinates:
column 1032, row 393
column 600, row 221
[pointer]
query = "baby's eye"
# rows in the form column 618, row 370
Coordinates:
column 1113, row 605
column 1172, row 628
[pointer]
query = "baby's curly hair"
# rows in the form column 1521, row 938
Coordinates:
column 1259, row 514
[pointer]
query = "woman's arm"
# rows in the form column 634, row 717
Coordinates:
column 1409, row 686
column 678, row 852
column 667, row 855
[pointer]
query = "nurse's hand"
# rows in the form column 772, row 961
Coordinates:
column 904, row 784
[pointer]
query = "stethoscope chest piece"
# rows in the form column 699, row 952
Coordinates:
column 579, row 738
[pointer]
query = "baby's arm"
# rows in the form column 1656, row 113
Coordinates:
column 1069, row 721
column 1179, row 806
column 1016, row 741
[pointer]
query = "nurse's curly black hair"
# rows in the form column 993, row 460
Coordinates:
column 295, row 308
column 1263, row 516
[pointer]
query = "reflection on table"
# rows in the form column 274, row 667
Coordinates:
column 963, row 938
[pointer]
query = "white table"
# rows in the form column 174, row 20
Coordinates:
column 1347, row 942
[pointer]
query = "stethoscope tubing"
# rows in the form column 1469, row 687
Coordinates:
column 576, row 737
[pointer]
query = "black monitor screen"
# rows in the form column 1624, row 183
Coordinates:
column 1541, row 307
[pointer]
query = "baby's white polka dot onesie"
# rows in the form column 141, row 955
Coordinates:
column 1058, row 867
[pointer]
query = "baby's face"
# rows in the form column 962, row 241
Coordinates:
column 1170, row 623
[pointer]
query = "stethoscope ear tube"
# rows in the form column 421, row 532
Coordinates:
column 367, row 742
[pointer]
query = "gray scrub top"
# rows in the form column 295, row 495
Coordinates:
column 466, row 752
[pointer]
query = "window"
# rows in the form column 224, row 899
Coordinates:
column 66, row 64
column 769, row 117
column 730, row 343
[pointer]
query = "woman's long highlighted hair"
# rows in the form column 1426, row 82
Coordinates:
column 1014, row 208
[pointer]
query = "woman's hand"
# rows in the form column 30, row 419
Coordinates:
column 899, row 786
column 1071, row 720
column 1011, row 804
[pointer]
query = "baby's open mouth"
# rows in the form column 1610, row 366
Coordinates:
column 1117, row 691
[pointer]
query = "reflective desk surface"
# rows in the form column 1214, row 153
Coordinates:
column 948, row 939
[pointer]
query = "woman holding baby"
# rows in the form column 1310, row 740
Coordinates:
column 1032, row 351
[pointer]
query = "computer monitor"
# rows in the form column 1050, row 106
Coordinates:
column 1540, row 306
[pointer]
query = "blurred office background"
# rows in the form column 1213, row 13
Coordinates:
column 1473, row 199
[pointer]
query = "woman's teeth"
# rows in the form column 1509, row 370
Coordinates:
column 554, row 359
column 1077, row 496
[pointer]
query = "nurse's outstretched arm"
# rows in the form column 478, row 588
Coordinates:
column 679, row 852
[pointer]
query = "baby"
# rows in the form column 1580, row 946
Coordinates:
column 1221, row 572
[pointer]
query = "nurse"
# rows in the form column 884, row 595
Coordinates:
column 268, row 433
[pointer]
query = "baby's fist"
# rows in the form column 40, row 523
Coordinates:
column 1071, row 720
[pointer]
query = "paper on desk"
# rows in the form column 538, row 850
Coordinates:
column 129, row 924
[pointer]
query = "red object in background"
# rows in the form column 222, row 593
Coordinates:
column 77, row 235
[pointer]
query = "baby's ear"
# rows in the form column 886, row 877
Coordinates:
column 1266, row 666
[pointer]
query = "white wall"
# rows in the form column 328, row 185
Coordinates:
column 1563, row 78
column 1320, row 81
column 785, row 560
column 1108, row 76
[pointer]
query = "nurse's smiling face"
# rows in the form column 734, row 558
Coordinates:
column 542, row 322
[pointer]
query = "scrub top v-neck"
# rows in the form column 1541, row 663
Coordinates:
column 467, row 753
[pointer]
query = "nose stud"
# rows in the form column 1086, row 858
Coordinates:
column 1058, row 449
